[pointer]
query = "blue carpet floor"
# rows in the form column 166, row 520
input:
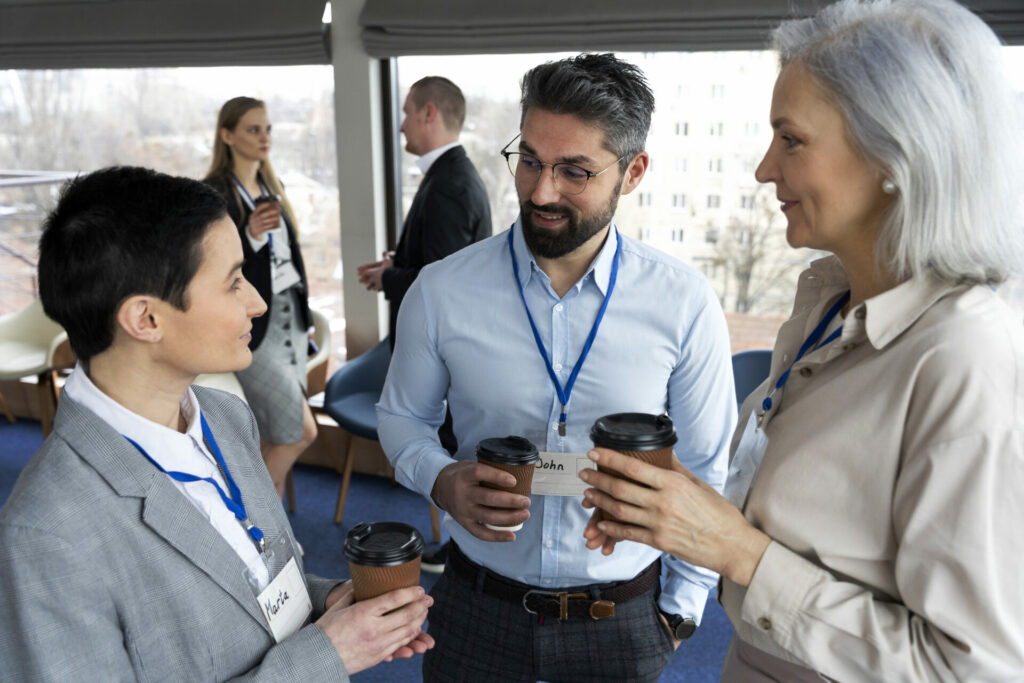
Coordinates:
column 698, row 660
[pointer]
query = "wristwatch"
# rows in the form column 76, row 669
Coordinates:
column 681, row 627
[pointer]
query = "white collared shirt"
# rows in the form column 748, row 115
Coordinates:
column 175, row 452
column 427, row 160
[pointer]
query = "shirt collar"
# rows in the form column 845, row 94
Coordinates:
column 172, row 449
column 887, row 315
column 600, row 267
column 892, row 312
column 427, row 160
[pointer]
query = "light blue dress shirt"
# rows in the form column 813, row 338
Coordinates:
column 463, row 334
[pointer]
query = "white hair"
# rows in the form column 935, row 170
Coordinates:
column 922, row 88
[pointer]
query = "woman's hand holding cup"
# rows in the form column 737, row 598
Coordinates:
column 672, row 510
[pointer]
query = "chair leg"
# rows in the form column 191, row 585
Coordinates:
column 56, row 388
column 346, row 477
column 435, row 523
column 289, row 490
column 7, row 410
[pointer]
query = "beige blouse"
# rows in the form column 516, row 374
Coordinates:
column 893, row 488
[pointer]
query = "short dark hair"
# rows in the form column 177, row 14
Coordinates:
column 445, row 95
column 600, row 89
column 115, row 233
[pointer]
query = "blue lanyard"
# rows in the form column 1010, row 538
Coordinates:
column 233, row 502
column 566, row 392
column 270, row 237
column 810, row 343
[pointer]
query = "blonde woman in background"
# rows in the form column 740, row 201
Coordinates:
column 275, row 383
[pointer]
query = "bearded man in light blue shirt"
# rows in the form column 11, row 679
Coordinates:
column 538, row 332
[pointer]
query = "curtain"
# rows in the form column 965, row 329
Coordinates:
column 63, row 34
column 414, row 27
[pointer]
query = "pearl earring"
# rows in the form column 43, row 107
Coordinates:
column 888, row 186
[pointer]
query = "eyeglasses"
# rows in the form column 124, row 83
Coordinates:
column 569, row 178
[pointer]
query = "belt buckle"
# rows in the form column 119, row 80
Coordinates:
column 563, row 602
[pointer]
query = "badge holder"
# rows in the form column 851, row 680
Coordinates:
column 557, row 472
column 745, row 462
column 285, row 601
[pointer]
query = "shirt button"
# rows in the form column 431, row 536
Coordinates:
column 848, row 347
column 549, row 543
column 547, row 582
column 558, row 307
column 806, row 372
column 558, row 367
column 764, row 623
column 860, row 313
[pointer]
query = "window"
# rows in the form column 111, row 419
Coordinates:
column 61, row 121
column 715, row 190
column 677, row 235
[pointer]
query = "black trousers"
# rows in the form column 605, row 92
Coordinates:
column 484, row 638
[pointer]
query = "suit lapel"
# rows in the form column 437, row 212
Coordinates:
column 164, row 509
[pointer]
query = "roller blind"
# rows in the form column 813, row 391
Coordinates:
column 61, row 34
column 414, row 27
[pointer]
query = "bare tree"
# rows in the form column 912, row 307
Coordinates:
column 758, row 263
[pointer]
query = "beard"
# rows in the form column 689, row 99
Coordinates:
column 581, row 227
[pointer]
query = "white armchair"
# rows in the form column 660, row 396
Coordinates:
column 33, row 344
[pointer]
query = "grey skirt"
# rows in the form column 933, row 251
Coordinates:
column 275, row 383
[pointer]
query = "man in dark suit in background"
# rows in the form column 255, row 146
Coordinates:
column 450, row 209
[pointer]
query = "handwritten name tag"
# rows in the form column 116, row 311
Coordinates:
column 285, row 602
column 557, row 474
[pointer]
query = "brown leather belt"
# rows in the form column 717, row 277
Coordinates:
column 577, row 601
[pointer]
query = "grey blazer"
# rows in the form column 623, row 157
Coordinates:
column 108, row 573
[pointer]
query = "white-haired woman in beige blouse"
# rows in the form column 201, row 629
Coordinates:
column 873, row 524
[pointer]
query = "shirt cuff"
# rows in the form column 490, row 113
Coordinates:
column 428, row 467
column 777, row 592
column 682, row 597
column 256, row 244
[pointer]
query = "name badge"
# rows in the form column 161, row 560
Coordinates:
column 746, row 460
column 557, row 474
column 285, row 602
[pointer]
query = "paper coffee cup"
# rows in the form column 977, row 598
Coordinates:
column 643, row 436
column 382, row 557
column 515, row 455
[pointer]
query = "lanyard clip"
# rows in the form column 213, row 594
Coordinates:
column 256, row 534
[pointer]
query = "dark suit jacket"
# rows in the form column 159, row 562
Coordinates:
column 109, row 573
column 450, row 211
column 257, row 263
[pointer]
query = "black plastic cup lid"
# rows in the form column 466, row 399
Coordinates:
column 509, row 450
column 383, row 544
column 633, row 432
